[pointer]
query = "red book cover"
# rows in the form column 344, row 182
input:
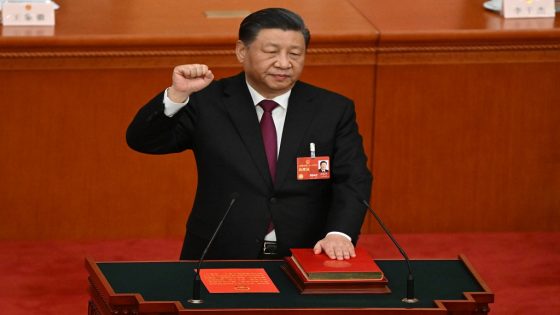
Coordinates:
column 321, row 267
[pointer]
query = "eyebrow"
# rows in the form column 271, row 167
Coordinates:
column 275, row 45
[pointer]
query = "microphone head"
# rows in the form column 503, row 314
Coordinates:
column 234, row 195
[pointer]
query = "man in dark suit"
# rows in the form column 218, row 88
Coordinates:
column 241, row 145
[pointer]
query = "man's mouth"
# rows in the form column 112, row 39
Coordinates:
column 280, row 76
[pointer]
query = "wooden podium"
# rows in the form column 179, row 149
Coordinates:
column 442, row 286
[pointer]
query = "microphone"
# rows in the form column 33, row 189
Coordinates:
column 410, row 299
column 196, row 281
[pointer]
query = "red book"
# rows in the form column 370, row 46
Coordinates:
column 321, row 267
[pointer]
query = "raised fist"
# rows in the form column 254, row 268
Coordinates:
column 188, row 79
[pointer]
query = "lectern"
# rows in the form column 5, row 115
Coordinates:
column 449, row 286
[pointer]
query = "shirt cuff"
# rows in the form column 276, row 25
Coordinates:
column 340, row 233
column 171, row 108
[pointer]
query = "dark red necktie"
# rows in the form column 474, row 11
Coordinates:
column 268, row 131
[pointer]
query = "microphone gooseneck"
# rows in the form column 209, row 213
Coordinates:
column 410, row 299
column 196, row 281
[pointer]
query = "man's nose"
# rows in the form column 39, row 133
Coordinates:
column 283, row 61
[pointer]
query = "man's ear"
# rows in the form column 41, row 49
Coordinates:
column 240, row 51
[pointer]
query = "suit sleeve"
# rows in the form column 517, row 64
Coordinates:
column 352, row 179
column 152, row 132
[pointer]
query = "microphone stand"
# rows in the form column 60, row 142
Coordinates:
column 196, row 281
column 409, row 299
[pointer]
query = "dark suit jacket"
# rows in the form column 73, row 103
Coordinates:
column 221, row 126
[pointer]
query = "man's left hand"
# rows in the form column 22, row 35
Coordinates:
column 336, row 247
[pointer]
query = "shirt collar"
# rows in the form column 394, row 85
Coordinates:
column 282, row 100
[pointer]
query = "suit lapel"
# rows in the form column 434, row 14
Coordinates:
column 242, row 112
column 301, row 111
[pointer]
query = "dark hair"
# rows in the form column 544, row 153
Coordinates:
column 322, row 162
column 271, row 18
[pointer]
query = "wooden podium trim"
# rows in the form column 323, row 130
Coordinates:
column 153, row 58
column 163, row 53
column 114, row 53
column 450, row 48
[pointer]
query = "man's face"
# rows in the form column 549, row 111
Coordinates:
column 273, row 62
column 323, row 166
